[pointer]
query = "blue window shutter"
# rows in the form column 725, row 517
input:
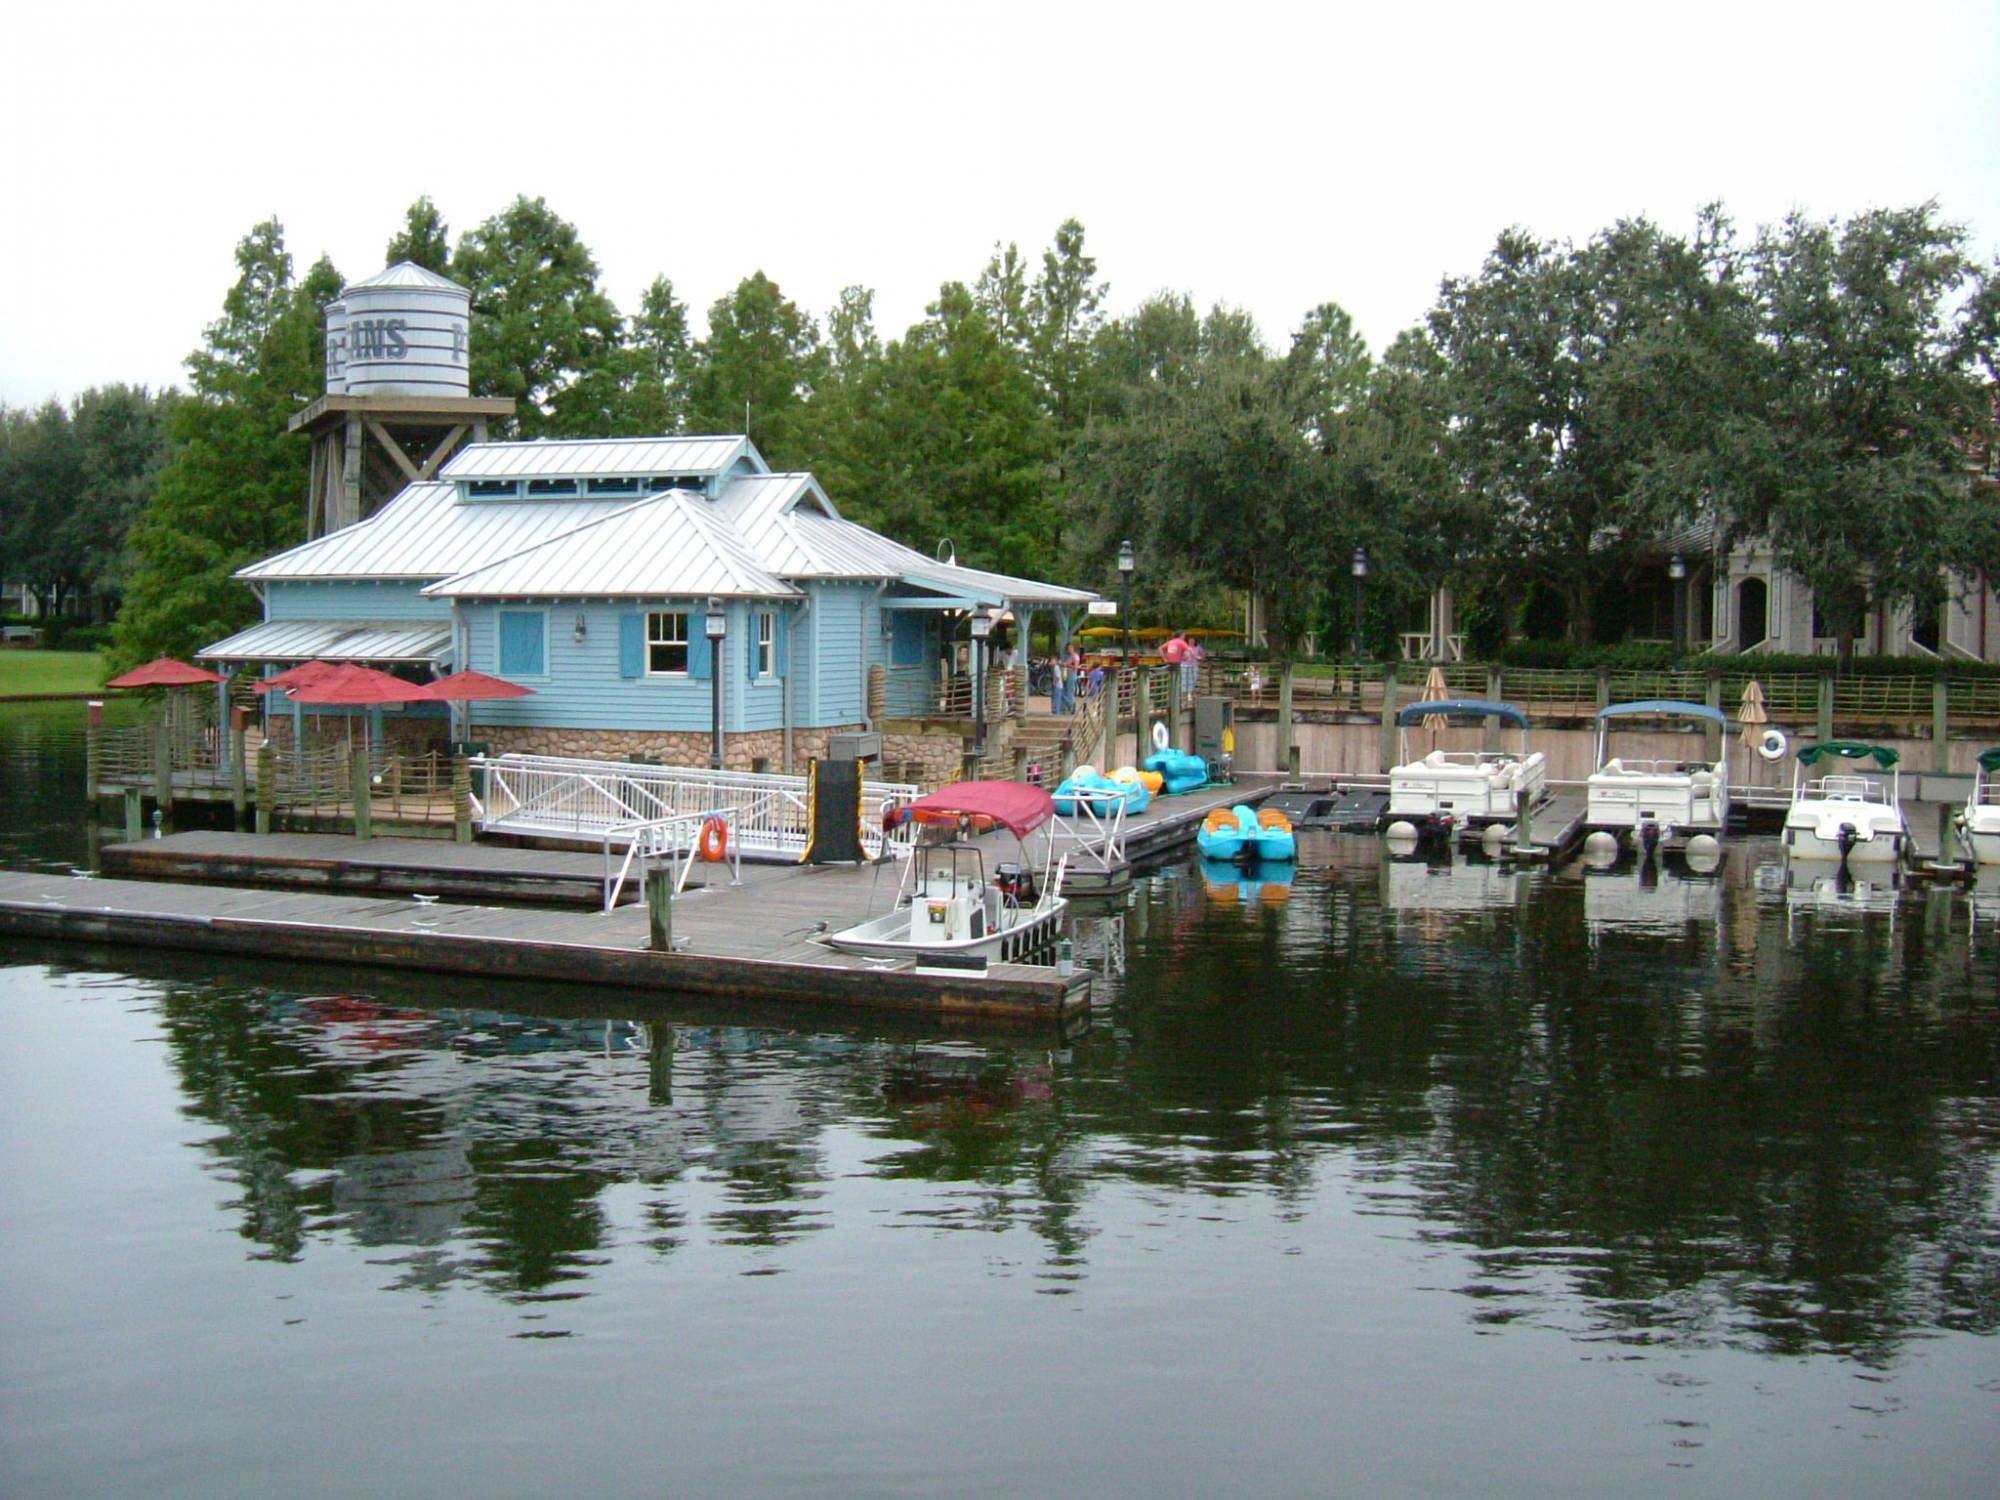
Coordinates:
column 750, row 644
column 698, row 654
column 779, row 642
column 631, row 645
column 522, row 636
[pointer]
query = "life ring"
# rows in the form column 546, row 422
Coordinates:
column 1772, row 744
column 1161, row 739
column 714, row 844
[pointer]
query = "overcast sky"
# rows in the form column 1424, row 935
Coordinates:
column 1269, row 156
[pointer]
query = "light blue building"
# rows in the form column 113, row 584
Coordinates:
column 585, row 570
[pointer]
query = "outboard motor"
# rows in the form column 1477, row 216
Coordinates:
column 1015, row 884
column 1849, row 837
column 1649, row 838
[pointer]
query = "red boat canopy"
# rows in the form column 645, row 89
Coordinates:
column 1018, row 807
column 163, row 671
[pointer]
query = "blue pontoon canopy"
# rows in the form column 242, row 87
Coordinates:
column 1664, row 708
column 1472, row 707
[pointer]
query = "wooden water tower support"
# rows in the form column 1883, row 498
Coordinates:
column 366, row 449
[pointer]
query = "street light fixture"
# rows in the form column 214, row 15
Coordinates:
column 1127, row 561
column 1677, row 570
column 718, row 627
column 1359, row 567
column 982, row 627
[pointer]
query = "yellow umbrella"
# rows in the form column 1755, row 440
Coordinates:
column 1750, row 713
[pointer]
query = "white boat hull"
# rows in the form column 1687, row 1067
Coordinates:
column 889, row 937
column 1466, row 788
column 1813, row 831
column 1979, row 835
column 1681, row 803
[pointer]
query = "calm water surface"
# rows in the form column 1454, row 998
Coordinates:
column 1393, row 1180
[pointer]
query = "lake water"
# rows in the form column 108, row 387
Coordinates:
column 1395, row 1180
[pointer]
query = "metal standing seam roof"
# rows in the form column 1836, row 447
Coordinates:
column 660, row 548
column 335, row 640
column 600, row 458
column 406, row 273
column 427, row 533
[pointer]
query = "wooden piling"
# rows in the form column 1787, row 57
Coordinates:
column 1712, row 695
column 461, row 800
column 364, row 798
column 660, row 910
column 1386, row 750
column 267, row 787
column 134, row 815
column 1824, row 723
column 1940, row 726
column 163, row 772
column 93, row 749
column 1142, row 714
column 1490, row 740
column 239, row 773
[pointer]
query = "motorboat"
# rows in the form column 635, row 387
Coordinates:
column 1242, row 834
column 1661, row 802
column 1448, row 788
column 1855, row 814
column 950, row 911
column 1979, row 823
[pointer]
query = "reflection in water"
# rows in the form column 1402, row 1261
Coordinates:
column 1588, row 1114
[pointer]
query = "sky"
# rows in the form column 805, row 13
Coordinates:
column 1267, row 156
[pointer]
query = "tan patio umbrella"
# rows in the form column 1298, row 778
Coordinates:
column 1436, row 691
column 1750, row 713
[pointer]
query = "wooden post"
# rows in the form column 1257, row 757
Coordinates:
column 163, row 771
column 1285, row 713
column 364, row 798
column 1941, row 729
column 93, row 749
column 461, row 800
column 1292, row 761
column 239, row 773
column 1603, row 687
column 1491, row 738
column 660, row 909
column 1387, row 748
column 1825, row 723
column 133, row 820
column 1524, row 827
column 1712, row 695
column 267, row 787
column 1142, row 713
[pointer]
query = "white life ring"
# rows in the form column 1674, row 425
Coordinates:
column 1161, row 739
column 1772, row 744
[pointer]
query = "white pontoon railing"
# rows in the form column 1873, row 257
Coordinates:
column 1094, row 834
column 603, row 800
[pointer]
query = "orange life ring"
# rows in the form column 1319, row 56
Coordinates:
column 714, row 845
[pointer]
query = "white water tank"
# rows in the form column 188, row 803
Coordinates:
column 336, row 348
column 406, row 334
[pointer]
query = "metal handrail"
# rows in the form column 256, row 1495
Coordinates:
column 660, row 839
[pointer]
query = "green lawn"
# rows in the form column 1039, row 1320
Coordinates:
column 23, row 671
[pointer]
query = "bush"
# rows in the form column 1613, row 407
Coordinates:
column 75, row 635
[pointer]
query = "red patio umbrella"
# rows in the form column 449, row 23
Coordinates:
column 163, row 671
column 473, row 687
column 356, row 686
column 304, row 672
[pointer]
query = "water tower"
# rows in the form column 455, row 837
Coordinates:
column 397, row 402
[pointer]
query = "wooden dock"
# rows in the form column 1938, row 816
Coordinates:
column 752, row 940
column 373, row 866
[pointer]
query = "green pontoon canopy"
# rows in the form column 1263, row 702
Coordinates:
column 1989, row 761
column 1848, row 750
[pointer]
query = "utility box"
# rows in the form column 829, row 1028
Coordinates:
column 856, row 745
column 1214, row 728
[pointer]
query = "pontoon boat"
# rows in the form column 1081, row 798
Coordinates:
column 1855, row 815
column 1663, row 802
column 1459, row 787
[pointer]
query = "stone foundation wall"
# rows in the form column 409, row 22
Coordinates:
column 740, row 752
column 930, row 759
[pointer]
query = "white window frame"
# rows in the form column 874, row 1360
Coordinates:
column 657, row 636
column 767, row 642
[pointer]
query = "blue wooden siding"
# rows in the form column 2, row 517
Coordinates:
column 352, row 601
column 524, row 643
column 586, row 687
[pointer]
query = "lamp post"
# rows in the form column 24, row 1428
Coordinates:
column 1359, row 567
column 718, row 627
column 1677, row 571
column 1127, row 561
column 982, row 627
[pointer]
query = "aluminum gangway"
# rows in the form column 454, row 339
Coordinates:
column 604, row 801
